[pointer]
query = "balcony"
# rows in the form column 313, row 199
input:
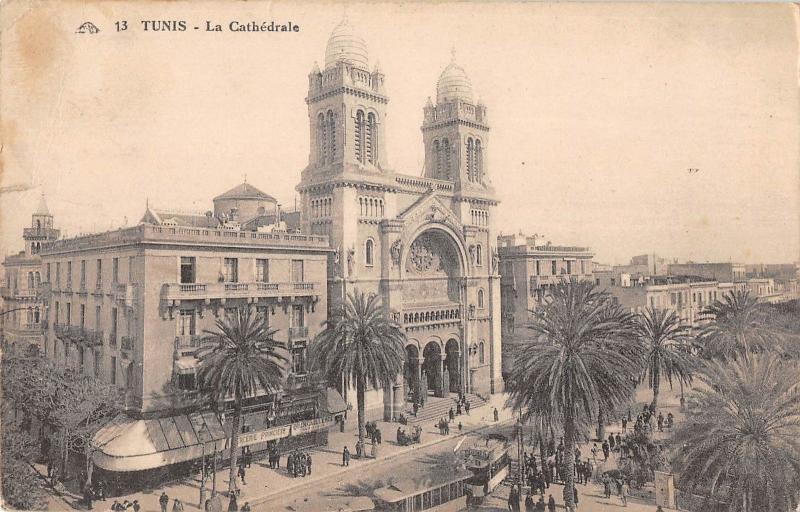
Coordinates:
column 431, row 315
column 80, row 335
column 211, row 291
column 127, row 342
column 124, row 293
column 299, row 380
column 298, row 333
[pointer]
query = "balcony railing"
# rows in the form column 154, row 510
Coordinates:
column 299, row 380
column 126, row 342
column 77, row 334
column 431, row 314
column 188, row 341
column 189, row 291
column 298, row 333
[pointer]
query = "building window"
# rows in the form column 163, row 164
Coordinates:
column 83, row 274
column 569, row 267
column 112, row 336
column 299, row 360
column 359, row 142
column 56, row 313
column 130, row 269
column 478, row 255
column 480, row 299
column 69, row 274
column 446, row 158
column 538, row 268
column 47, row 272
column 437, row 153
column 99, row 274
column 262, row 313
column 583, row 267
column 58, row 275
column 262, row 270
column 297, row 271
column 97, row 317
column 231, row 270
column 186, row 381
column 369, row 250
column 115, row 270
column 553, row 267
column 113, row 369
column 187, row 269
column 470, row 160
column 83, row 316
column 298, row 316
column 372, row 139
column 331, row 136
column 69, row 313
column 322, row 149
column 478, row 161
column 186, row 323
column 481, row 352
column 81, row 358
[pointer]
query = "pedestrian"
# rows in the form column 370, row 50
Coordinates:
column 163, row 500
column 606, row 450
column 308, row 462
column 241, row 473
column 551, row 504
column 232, row 505
column 496, row 415
column 466, row 406
column 624, row 424
column 246, row 507
column 618, row 439
column 345, row 457
column 416, row 408
column 529, row 507
column 379, row 435
column 87, row 495
column 374, row 450
column 611, row 441
column 460, row 426
column 136, row 507
column 594, row 452
column 626, row 489
column 115, row 506
column 606, row 486
column 513, row 499
column 575, row 491
column 177, row 506
column 670, row 420
column 540, row 506
column 290, row 464
column 660, row 422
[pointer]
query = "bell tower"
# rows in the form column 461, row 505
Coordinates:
column 41, row 229
column 346, row 108
column 455, row 131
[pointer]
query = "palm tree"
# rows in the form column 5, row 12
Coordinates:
column 359, row 343
column 664, row 338
column 240, row 358
column 742, row 438
column 737, row 329
column 581, row 361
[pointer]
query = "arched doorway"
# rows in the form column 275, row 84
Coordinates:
column 452, row 363
column 412, row 373
column 432, row 369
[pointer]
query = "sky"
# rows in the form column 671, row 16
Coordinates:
column 630, row 128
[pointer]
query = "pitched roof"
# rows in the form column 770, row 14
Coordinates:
column 194, row 220
column 245, row 191
column 42, row 209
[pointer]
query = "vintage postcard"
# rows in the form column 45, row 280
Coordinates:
column 400, row 256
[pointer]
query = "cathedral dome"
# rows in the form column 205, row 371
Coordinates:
column 344, row 45
column 453, row 84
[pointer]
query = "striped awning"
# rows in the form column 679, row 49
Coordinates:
column 127, row 444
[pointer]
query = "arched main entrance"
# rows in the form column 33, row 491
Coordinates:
column 432, row 369
column 452, row 363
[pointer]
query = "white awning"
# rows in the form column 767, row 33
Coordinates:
column 187, row 364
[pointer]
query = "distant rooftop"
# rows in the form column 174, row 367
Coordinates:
column 245, row 191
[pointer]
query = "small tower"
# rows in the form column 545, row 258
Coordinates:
column 455, row 131
column 346, row 107
column 41, row 229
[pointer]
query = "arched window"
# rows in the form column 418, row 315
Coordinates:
column 470, row 160
column 36, row 315
column 481, row 352
column 322, row 139
column 369, row 252
column 38, row 224
column 331, row 136
column 30, row 280
column 478, row 161
column 446, row 158
column 359, row 142
column 371, row 140
column 478, row 255
column 37, row 279
column 480, row 299
column 437, row 150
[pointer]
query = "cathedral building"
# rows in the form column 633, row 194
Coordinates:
column 422, row 240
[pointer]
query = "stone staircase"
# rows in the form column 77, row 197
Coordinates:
column 436, row 408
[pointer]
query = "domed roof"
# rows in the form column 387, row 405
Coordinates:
column 245, row 191
column 344, row 45
column 453, row 84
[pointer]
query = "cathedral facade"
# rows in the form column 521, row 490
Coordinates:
column 424, row 241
